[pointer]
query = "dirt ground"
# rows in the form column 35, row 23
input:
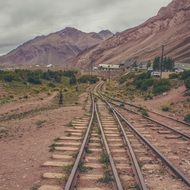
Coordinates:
column 26, row 147
column 175, row 99
column 26, row 105
column 2, row 91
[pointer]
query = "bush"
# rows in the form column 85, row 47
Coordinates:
column 187, row 83
column 88, row 78
column 144, row 84
column 161, row 86
column 51, row 85
column 185, row 75
column 143, row 111
column 143, row 81
column 166, row 108
column 123, row 79
column 187, row 118
column 173, row 76
column 35, row 77
column 34, row 80
column 73, row 80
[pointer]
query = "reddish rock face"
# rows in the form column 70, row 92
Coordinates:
column 171, row 26
column 56, row 48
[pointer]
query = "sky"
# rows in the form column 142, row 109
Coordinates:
column 22, row 20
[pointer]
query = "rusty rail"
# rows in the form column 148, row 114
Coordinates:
column 137, row 169
column 113, row 167
column 180, row 174
column 149, row 118
column 72, row 178
column 135, row 106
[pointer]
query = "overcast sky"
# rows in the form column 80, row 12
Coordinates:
column 21, row 20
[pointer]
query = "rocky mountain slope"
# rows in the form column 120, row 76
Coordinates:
column 56, row 48
column 171, row 27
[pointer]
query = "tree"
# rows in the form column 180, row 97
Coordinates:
column 156, row 63
column 148, row 64
column 167, row 65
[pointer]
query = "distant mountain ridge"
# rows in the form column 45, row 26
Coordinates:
column 171, row 27
column 55, row 48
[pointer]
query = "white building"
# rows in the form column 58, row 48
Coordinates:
column 108, row 67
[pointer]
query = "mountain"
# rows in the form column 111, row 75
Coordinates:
column 71, row 47
column 171, row 27
column 55, row 48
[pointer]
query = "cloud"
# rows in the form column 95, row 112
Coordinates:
column 21, row 20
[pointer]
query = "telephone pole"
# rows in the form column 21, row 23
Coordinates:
column 161, row 62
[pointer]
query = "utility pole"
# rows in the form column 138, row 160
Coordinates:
column 109, row 73
column 161, row 62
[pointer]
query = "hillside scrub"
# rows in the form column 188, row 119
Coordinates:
column 187, row 118
column 187, row 83
column 36, row 77
column 161, row 86
column 144, row 83
column 88, row 79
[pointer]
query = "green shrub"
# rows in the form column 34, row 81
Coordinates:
column 88, row 78
column 143, row 81
column 165, row 108
column 73, row 80
column 51, row 85
column 144, row 84
column 143, row 111
column 123, row 79
column 34, row 80
column 161, row 86
column 35, row 77
column 174, row 76
column 187, row 83
column 8, row 78
column 187, row 118
column 185, row 75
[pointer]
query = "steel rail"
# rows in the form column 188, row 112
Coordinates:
column 155, row 121
column 113, row 167
column 135, row 106
column 137, row 169
column 73, row 175
column 180, row 174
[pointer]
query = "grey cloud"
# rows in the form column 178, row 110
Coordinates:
column 21, row 20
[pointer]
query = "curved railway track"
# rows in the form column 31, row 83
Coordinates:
column 175, row 148
column 171, row 123
column 103, row 151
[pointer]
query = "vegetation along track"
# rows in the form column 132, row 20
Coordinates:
column 172, row 147
column 175, row 125
column 101, row 151
column 172, row 143
column 92, row 156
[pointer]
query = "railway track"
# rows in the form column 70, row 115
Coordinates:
column 102, row 151
column 171, row 123
column 172, row 147
column 171, row 142
column 101, row 160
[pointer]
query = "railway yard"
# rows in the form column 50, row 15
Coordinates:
column 116, row 147
column 110, row 145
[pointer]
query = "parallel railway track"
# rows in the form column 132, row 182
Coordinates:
column 171, row 123
column 103, row 151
